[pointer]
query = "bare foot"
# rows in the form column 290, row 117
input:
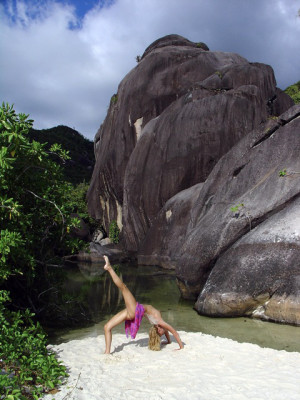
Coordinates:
column 107, row 265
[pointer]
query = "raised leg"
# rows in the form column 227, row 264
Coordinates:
column 129, row 299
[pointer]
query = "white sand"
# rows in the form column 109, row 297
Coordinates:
column 208, row 368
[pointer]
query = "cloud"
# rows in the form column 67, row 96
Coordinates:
column 62, row 67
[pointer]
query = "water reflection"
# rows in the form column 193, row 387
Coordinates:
column 97, row 299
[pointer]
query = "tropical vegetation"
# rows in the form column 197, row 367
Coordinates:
column 79, row 166
column 294, row 92
column 35, row 236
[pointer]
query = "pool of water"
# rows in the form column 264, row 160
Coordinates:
column 97, row 300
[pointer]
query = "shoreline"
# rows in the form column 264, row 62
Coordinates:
column 208, row 368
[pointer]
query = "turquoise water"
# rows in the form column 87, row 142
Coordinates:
column 97, row 300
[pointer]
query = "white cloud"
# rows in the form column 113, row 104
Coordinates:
column 63, row 70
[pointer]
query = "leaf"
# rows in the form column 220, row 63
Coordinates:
column 6, row 125
column 54, row 391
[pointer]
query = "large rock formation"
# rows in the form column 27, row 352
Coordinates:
column 170, row 68
column 260, row 274
column 188, row 161
column 236, row 238
column 179, row 149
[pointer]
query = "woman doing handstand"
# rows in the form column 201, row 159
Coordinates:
column 133, row 314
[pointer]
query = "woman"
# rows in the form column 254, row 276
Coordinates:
column 133, row 314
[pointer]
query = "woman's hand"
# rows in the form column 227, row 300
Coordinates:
column 180, row 348
column 168, row 328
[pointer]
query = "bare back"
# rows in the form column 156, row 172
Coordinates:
column 152, row 314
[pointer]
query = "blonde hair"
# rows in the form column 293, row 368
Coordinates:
column 154, row 339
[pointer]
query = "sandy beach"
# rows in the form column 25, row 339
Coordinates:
column 208, row 368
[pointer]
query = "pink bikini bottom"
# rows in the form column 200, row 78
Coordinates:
column 133, row 325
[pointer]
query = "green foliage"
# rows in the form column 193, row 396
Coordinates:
column 294, row 92
column 202, row 46
column 77, row 202
column 117, row 269
column 283, row 172
column 236, row 208
column 34, row 214
column 114, row 232
column 114, row 99
column 27, row 367
column 79, row 166
column 241, row 210
column 35, row 233
column 289, row 173
column 219, row 73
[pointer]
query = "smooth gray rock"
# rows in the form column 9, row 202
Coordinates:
column 247, row 177
column 165, row 237
column 164, row 74
column 180, row 150
column 260, row 274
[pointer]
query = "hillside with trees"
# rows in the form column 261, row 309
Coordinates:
column 79, row 166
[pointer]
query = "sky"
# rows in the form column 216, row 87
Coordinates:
column 62, row 60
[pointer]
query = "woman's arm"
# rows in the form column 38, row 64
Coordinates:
column 167, row 337
column 170, row 328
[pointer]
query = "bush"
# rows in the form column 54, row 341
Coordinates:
column 76, row 199
column 114, row 99
column 35, row 236
column 28, row 368
column 34, row 211
column 294, row 92
column 114, row 232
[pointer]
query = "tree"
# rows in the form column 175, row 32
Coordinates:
column 79, row 167
column 34, row 214
column 35, row 227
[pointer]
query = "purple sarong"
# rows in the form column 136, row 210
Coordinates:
column 133, row 325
